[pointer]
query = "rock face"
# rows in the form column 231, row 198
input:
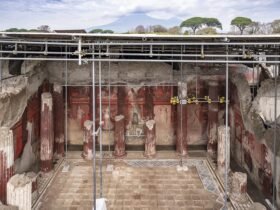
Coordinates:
column 119, row 137
column 223, row 157
column 6, row 160
column 47, row 133
column 150, row 140
column 19, row 192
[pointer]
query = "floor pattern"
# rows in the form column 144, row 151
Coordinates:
column 129, row 186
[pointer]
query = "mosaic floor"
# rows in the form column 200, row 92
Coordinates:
column 136, row 184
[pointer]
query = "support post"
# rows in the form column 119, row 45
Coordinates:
column 181, row 139
column 47, row 134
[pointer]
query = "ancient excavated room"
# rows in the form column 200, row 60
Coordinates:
column 139, row 121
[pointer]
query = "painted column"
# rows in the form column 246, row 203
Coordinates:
column 47, row 133
column 213, row 109
column 119, row 137
column 150, row 140
column 88, row 147
column 6, row 160
column 19, row 192
column 121, row 100
column 59, row 116
column 149, row 105
column 181, row 139
column 223, row 156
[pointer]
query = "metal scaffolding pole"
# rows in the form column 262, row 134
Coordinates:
column 86, row 60
column 1, row 70
column 100, row 124
column 134, row 54
column 227, row 141
column 143, row 43
column 94, row 126
column 66, row 109
column 275, row 140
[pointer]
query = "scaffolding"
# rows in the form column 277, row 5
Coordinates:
column 98, row 48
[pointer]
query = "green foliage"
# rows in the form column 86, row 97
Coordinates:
column 16, row 30
column 241, row 23
column 207, row 31
column 101, row 31
column 96, row 31
column 213, row 22
column 107, row 32
column 196, row 23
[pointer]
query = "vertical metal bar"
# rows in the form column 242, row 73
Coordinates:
column 94, row 127
column 100, row 123
column 66, row 105
column 253, row 81
column 227, row 142
column 109, row 97
column 1, row 69
column 181, row 107
column 274, row 140
column 80, row 51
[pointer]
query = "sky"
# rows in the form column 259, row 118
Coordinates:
column 84, row 14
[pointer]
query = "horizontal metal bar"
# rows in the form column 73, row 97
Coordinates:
column 137, row 54
column 36, row 52
column 98, row 35
column 142, row 60
column 143, row 43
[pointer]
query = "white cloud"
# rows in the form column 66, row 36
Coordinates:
column 86, row 13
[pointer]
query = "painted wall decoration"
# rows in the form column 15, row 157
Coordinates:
column 78, row 112
column 248, row 152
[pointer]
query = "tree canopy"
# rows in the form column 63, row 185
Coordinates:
column 213, row 22
column 196, row 23
column 16, row 30
column 241, row 23
column 207, row 31
column 101, row 31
